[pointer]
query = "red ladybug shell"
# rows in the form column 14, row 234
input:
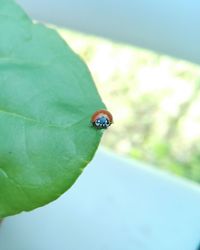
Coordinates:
column 100, row 113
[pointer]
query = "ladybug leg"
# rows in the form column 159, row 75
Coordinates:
column 91, row 124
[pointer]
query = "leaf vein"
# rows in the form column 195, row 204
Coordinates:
column 39, row 122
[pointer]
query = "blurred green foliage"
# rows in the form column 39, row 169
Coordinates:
column 154, row 100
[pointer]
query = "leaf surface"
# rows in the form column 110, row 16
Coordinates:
column 47, row 97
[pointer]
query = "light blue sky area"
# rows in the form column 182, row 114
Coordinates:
column 170, row 27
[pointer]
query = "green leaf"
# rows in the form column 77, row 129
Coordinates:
column 47, row 97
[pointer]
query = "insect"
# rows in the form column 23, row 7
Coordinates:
column 101, row 119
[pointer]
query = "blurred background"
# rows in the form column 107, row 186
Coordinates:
column 154, row 99
column 146, row 71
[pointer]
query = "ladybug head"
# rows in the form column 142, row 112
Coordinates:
column 102, row 122
column 101, row 119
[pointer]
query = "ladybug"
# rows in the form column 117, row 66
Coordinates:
column 101, row 119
